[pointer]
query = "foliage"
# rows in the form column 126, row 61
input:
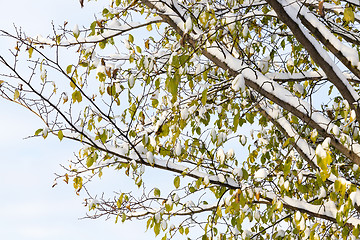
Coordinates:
column 184, row 85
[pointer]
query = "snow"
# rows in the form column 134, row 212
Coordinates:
column 263, row 64
column 326, row 143
column 76, row 31
column 131, row 81
column 322, row 192
column 336, row 130
column 213, row 134
column 286, row 185
column 188, row 25
column 261, row 173
column 355, row 197
column 45, row 132
column 221, row 178
column 281, row 181
column 303, row 76
column 245, row 31
column 280, row 233
column 227, row 200
column 355, row 167
column 178, row 149
column 299, row 88
column 220, row 155
column 238, row 83
column 163, row 224
column 230, row 153
column 300, row 177
column 238, row 172
column 246, row 234
column 206, row 180
column 150, row 158
column 157, row 217
column 243, row 139
column 352, row 115
column 257, row 215
column 320, row 152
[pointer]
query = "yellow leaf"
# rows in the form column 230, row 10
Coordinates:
column 349, row 15
column 16, row 94
column 149, row 27
column 146, row 45
column 30, row 52
column 72, row 84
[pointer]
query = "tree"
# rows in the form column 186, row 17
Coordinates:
column 181, row 88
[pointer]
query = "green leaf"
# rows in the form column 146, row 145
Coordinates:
column 132, row 110
column 356, row 231
column 76, row 96
column 37, row 132
column 92, row 28
column 157, row 228
column 173, row 85
column 77, row 182
column 287, row 166
column 60, row 135
column 83, row 64
column 131, row 38
column 156, row 192
column 102, row 44
column 177, row 181
column 68, row 69
column 90, row 161
column 204, row 237
column 249, row 117
column 204, row 97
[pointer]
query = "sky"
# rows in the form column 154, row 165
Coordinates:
column 29, row 207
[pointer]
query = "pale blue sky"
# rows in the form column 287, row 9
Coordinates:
column 29, row 207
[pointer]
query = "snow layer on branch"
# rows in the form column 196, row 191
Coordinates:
column 350, row 53
column 328, row 209
column 185, row 211
column 293, row 9
column 355, row 2
column 148, row 157
column 284, row 123
column 275, row 89
column 355, row 197
column 113, row 29
column 338, row 9
column 295, row 76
